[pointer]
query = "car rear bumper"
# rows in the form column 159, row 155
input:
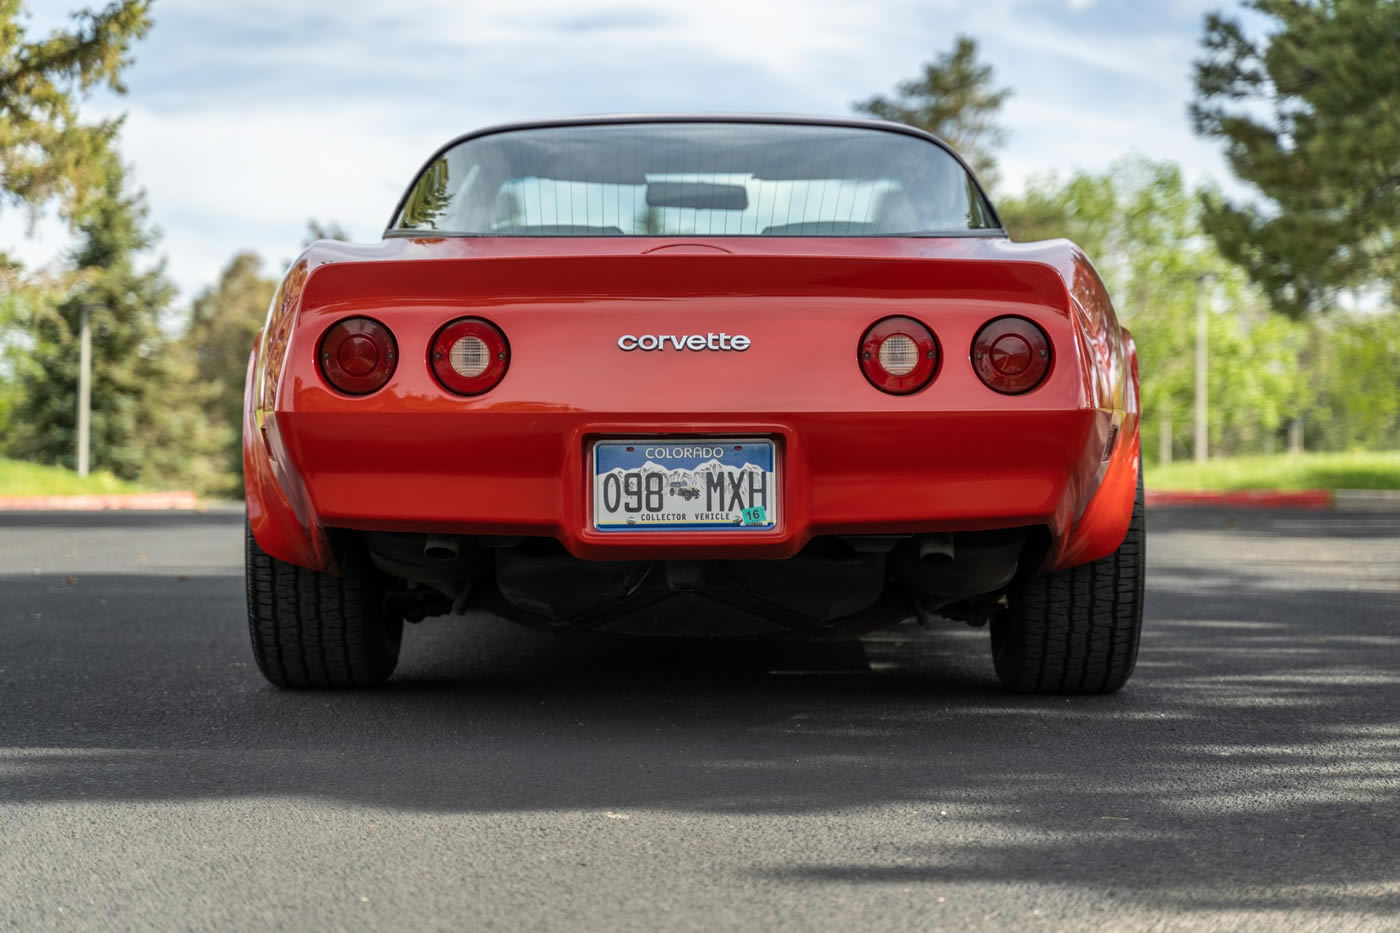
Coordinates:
column 525, row 473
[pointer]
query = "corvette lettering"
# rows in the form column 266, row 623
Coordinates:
column 697, row 342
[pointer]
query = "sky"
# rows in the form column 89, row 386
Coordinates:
column 246, row 118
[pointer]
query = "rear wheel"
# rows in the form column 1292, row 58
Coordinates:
column 318, row 630
column 1076, row 630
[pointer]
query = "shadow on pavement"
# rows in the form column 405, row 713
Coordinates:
column 1254, row 761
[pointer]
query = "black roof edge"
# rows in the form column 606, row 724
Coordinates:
column 887, row 126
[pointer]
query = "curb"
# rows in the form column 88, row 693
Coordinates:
column 1242, row 498
column 1383, row 500
column 140, row 500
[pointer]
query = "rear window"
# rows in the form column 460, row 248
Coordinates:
column 699, row 179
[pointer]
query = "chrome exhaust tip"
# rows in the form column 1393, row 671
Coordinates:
column 436, row 547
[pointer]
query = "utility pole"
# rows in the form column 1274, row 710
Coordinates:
column 1202, row 426
column 84, row 389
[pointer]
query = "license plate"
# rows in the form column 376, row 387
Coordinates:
column 685, row 484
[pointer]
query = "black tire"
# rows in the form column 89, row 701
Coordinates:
column 318, row 630
column 1076, row 631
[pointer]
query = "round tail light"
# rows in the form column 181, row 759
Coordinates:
column 469, row 356
column 898, row 355
column 1011, row 355
column 358, row 355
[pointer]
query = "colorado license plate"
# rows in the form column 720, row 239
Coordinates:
column 686, row 484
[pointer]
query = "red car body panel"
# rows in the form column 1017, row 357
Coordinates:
column 953, row 456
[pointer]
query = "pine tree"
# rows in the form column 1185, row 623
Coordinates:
column 428, row 200
column 954, row 99
column 1310, row 116
column 45, row 150
column 148, row 418
column 47, row 153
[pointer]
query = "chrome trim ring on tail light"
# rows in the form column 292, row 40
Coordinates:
column 1011, row 355
column 469, row 356
column 357, row 355
column 898, row 355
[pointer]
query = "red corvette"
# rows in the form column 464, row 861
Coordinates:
column 702, row 376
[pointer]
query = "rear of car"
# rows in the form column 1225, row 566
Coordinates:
column 703, row 377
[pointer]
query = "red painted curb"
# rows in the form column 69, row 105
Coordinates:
column 1244, row 498
column 1156, row 498
column 138, row 500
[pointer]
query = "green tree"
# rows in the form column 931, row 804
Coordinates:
column 1141, row 225
column 1082, row 208
column 224, row 319
column 23, row 300
column 148, row 421
column 1309, row 111
column 1356, row 366
column 429, row 199
column 46, row 151
column 956, row 100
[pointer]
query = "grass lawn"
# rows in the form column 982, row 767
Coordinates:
column 1282, row 471
column 18, row 478
column 1278, row 471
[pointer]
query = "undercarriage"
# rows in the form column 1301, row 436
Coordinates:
column 836, row 587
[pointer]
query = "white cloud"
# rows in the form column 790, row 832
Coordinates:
column 1058, row 139
column 1153, row 59
column 246, row 119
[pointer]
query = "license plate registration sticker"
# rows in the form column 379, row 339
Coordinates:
column 685, row 484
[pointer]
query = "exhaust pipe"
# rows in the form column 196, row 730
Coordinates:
column 935, row 549
column 440, row 548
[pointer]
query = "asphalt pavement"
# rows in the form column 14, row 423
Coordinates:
column 1247, row 778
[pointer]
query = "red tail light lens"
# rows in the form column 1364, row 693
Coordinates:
column 1011, row 355
column 898, row 355
column 358, row 355
column 469, row 356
